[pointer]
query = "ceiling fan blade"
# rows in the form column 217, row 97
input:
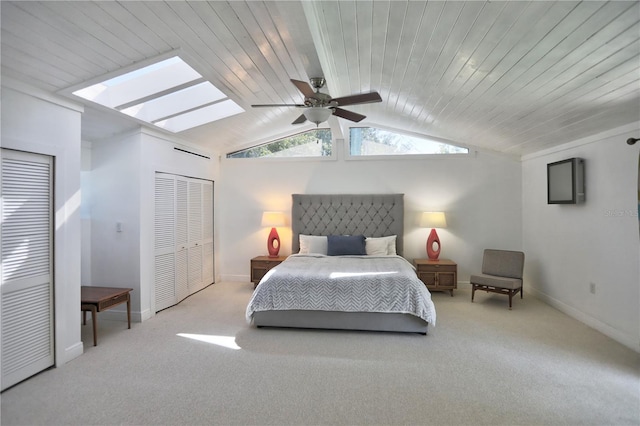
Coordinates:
column 277, row 105
column 304, row 87
column 363, row 98
column 300, row 119
column 349, row 115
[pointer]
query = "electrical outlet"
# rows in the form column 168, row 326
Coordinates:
column 592, row 288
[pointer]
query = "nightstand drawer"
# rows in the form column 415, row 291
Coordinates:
column 263, row 265
column 438, row 268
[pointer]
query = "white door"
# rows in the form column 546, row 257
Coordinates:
column 195, row 236
column 207, row 233
column 26, row 314
column 183, row 238
column 165, row 267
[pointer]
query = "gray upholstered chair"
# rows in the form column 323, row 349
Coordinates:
column 501, row 273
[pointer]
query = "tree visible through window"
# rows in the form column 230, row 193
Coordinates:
column 369, row 141
column 314, row 143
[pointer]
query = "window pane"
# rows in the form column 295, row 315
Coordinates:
column 368, row 141
column 314, row 143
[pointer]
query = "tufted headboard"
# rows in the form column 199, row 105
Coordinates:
column 372, row 215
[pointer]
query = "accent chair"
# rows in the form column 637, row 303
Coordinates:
column 501, row 273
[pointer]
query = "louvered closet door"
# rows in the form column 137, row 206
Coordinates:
column 195, row 236
column 182, row 238
column 165, row 256
column 207, row 233
column 27, row 278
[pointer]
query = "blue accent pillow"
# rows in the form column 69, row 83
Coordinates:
column 342, row 245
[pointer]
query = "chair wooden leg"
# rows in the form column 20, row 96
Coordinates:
column 510, row 298
column 473, row 291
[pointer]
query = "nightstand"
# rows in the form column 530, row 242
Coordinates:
column 438, row 275
column 260, row 265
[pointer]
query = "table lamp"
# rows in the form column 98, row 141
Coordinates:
column 273, row 219
column 433, row 220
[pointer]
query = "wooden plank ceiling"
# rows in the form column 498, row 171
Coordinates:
column 510, row 76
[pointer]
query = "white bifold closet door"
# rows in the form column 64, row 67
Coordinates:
column 183, row 238
column 27, row 273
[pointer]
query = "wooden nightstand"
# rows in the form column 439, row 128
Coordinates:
column 260, row 265
column 438, row 275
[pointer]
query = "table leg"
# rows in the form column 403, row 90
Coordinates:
column 84, row 317
column 94, row 320
column 129, row 309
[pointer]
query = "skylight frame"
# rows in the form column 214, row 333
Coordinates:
column 169, row 105
column 176, row 102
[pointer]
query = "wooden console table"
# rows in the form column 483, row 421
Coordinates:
column 98, row 299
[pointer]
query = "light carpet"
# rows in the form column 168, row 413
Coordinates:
column 199, row 363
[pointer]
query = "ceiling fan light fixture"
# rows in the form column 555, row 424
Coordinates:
column 317, row 115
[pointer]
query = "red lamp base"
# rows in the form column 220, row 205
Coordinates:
column 273, row 243
column 432, row 241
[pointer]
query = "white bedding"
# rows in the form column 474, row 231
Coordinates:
column 343, row 283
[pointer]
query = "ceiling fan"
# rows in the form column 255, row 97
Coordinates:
column 319, row 106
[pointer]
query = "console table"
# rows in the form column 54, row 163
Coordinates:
column 98, row 299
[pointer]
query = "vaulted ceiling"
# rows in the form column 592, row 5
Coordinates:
column 510, row 76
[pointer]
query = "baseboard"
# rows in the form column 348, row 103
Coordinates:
column 143, row 316
column 70, row 353
column 236, row 278
column 632, row 342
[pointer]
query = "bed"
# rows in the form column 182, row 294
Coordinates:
column 373, row 290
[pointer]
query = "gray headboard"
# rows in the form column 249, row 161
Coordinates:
column 372, row 215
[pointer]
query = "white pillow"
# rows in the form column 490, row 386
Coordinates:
column 313, row 244
column 381, row 246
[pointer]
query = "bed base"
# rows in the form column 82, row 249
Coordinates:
column 365, row 321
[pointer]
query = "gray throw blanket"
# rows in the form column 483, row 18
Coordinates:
column 343, row 283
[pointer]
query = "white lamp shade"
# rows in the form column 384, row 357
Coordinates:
column 317, row 115
column 272, row 219
column 433, row 220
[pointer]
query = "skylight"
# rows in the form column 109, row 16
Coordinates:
column 168, row 94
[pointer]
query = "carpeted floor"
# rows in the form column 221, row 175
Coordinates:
column 200, row 363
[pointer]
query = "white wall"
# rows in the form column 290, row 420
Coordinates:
column 85, row 212
column 37, row 122
column 481, row 195
column 122, row 191
column 114, row 198
column 568, row 247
